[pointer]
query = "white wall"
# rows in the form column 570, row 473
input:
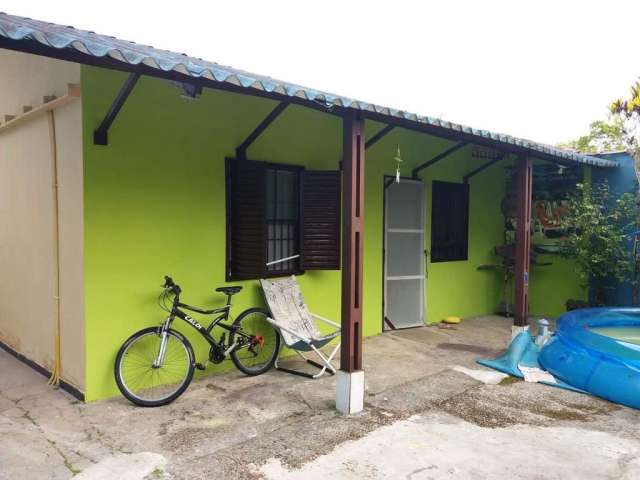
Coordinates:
column 27, row 216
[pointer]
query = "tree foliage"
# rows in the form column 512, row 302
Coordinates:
column 597, row 226
column 628, row 112
column 603, row 136
column 628, row 108
column 620, row 132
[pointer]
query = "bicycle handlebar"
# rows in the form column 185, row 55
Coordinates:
column 170, row 284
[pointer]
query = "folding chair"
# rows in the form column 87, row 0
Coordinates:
column 294, row 323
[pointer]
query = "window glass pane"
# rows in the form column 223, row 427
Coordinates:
column 286, row 195
column 271, row 191
column 282, row 219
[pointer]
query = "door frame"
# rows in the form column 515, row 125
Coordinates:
column 387, row 181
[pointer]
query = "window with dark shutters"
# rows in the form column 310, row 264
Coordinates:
column 321, row 220
column 449, row 221
column 278, row 211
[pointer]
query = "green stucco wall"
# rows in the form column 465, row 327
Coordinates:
column 155, row 205
column 551, row 286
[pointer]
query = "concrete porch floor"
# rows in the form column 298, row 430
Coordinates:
column 422, row 420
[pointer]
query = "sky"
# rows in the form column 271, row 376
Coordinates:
column 541, row 70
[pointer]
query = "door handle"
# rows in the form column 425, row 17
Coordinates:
column 426, row 263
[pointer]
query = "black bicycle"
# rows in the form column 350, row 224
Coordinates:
column 155, row 365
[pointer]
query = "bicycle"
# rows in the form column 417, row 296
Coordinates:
column 155, row 365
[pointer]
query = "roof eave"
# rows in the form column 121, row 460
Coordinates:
column 243, row 83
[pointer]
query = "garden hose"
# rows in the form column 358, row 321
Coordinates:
column 56, row 369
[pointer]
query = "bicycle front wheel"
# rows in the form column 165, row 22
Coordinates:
column 152, row 386
column 258, row 343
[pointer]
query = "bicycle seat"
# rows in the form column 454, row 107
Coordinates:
column 228, row 290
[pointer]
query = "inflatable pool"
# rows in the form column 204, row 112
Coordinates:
column 597, row 350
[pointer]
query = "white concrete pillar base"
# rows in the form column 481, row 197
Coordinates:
column 517, row 330
column 350, row 391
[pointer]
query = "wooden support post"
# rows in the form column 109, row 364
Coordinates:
column 350, row 381
column 524, row 184
column 352, row 242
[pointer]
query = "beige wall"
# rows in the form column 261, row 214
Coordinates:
column 27, row 216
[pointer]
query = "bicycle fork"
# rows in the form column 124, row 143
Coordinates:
column 157, row 363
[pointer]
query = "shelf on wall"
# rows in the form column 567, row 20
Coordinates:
column 50, row 103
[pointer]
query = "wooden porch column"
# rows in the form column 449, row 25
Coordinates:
column 352, row 241
column 350, row 378
column 524, row 183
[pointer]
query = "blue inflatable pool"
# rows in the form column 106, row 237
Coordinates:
column 597, row 350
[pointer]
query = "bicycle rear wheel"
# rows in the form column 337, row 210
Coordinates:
column 149, row 386
column 258, row 342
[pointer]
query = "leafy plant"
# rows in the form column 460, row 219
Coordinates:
column 597, row 225
column 627, row 111
column 620, row 132
column 603, row 136
column 630, row 107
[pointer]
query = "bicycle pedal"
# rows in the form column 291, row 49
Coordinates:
column 200, row 366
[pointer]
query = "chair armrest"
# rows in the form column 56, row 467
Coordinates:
column 325, row 320
column 288, row 330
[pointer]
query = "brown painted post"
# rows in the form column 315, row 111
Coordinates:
column 352, row 241
column 524, row 183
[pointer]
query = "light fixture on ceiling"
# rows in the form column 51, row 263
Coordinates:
column 189, row 91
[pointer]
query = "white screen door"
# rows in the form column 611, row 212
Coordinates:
column 404, row 259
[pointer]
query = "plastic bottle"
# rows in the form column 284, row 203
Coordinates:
column 544, row 334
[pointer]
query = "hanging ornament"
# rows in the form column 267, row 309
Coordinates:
column 398, row 159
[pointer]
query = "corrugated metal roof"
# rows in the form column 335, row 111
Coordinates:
column 60, row 37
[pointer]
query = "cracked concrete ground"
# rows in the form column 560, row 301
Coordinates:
column 422, row 420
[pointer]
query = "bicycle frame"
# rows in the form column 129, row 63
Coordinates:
column 221, row 351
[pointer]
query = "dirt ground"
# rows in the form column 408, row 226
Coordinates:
column 422, row 420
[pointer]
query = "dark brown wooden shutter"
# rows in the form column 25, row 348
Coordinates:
column 246, row 219
column 449, row 221
column 320, row 228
